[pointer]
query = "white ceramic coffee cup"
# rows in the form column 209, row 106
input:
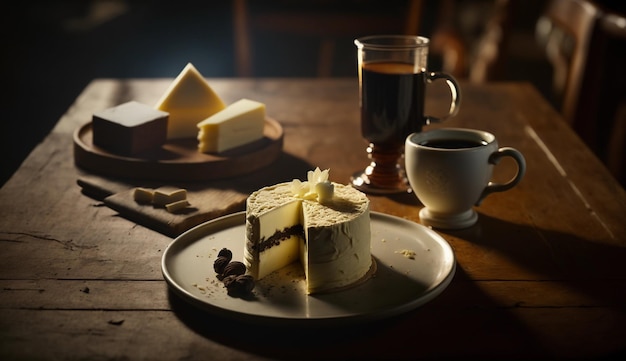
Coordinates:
column 450, row 179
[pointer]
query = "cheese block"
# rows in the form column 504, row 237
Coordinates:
column 166, row 195
column 240, row 123
column 177, row 206
column 143, row 195
column 129, row 128
column 188, row 100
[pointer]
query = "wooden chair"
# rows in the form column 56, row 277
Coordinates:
column 606, row 79
column 488, row 63
column 587, row 49
column 320, row 19
column 566, row 29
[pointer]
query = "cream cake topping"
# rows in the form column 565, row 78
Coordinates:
column 316, row 187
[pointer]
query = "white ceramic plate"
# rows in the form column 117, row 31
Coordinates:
column 401, row 283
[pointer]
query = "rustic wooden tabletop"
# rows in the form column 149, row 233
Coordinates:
column 540, row 276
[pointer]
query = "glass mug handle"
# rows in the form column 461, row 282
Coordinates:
column 455, row 91
column 495, row 159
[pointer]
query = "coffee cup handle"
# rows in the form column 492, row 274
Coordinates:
column 495, row 159
column 455, row 92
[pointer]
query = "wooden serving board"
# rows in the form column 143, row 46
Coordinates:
column 179, row 160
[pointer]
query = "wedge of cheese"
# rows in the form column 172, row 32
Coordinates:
column 188, row 100
column 240, row 123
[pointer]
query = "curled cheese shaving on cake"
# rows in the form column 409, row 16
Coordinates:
column 316, row 187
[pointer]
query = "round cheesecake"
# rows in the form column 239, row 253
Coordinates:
column 324, row 225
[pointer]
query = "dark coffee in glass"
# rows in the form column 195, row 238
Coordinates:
column 392, row 102
column 392, row 81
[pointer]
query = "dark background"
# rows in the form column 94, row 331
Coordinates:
column 53, row 49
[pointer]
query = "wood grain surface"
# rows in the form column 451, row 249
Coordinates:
column 540, row 276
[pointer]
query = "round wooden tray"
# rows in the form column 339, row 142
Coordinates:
column 179, row 159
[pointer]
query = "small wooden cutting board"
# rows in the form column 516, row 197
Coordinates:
column 208, row 199
column 205, row 204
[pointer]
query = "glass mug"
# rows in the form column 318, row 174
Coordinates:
column 392, row 82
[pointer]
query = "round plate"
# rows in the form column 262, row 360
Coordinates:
column 179, row 159
column 414, row 265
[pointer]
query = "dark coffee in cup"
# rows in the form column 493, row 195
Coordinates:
column 392, row 102
column 450, row 171
column 453, row 143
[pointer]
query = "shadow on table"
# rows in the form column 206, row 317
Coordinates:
column 585, row 265
column 462, row 322
column 284, row 169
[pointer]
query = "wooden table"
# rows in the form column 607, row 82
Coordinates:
column 541, row 275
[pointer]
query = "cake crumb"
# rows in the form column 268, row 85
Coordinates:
column 116, row 322
column 407, row 253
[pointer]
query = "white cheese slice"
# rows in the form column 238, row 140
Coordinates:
column 240, row 123
column 188, row 100
column 166, row 195
column 177, row 206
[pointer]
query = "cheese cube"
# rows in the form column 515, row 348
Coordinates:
column 240, row 123
column 188, row 100
column 129, row 128
column 143, row 195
